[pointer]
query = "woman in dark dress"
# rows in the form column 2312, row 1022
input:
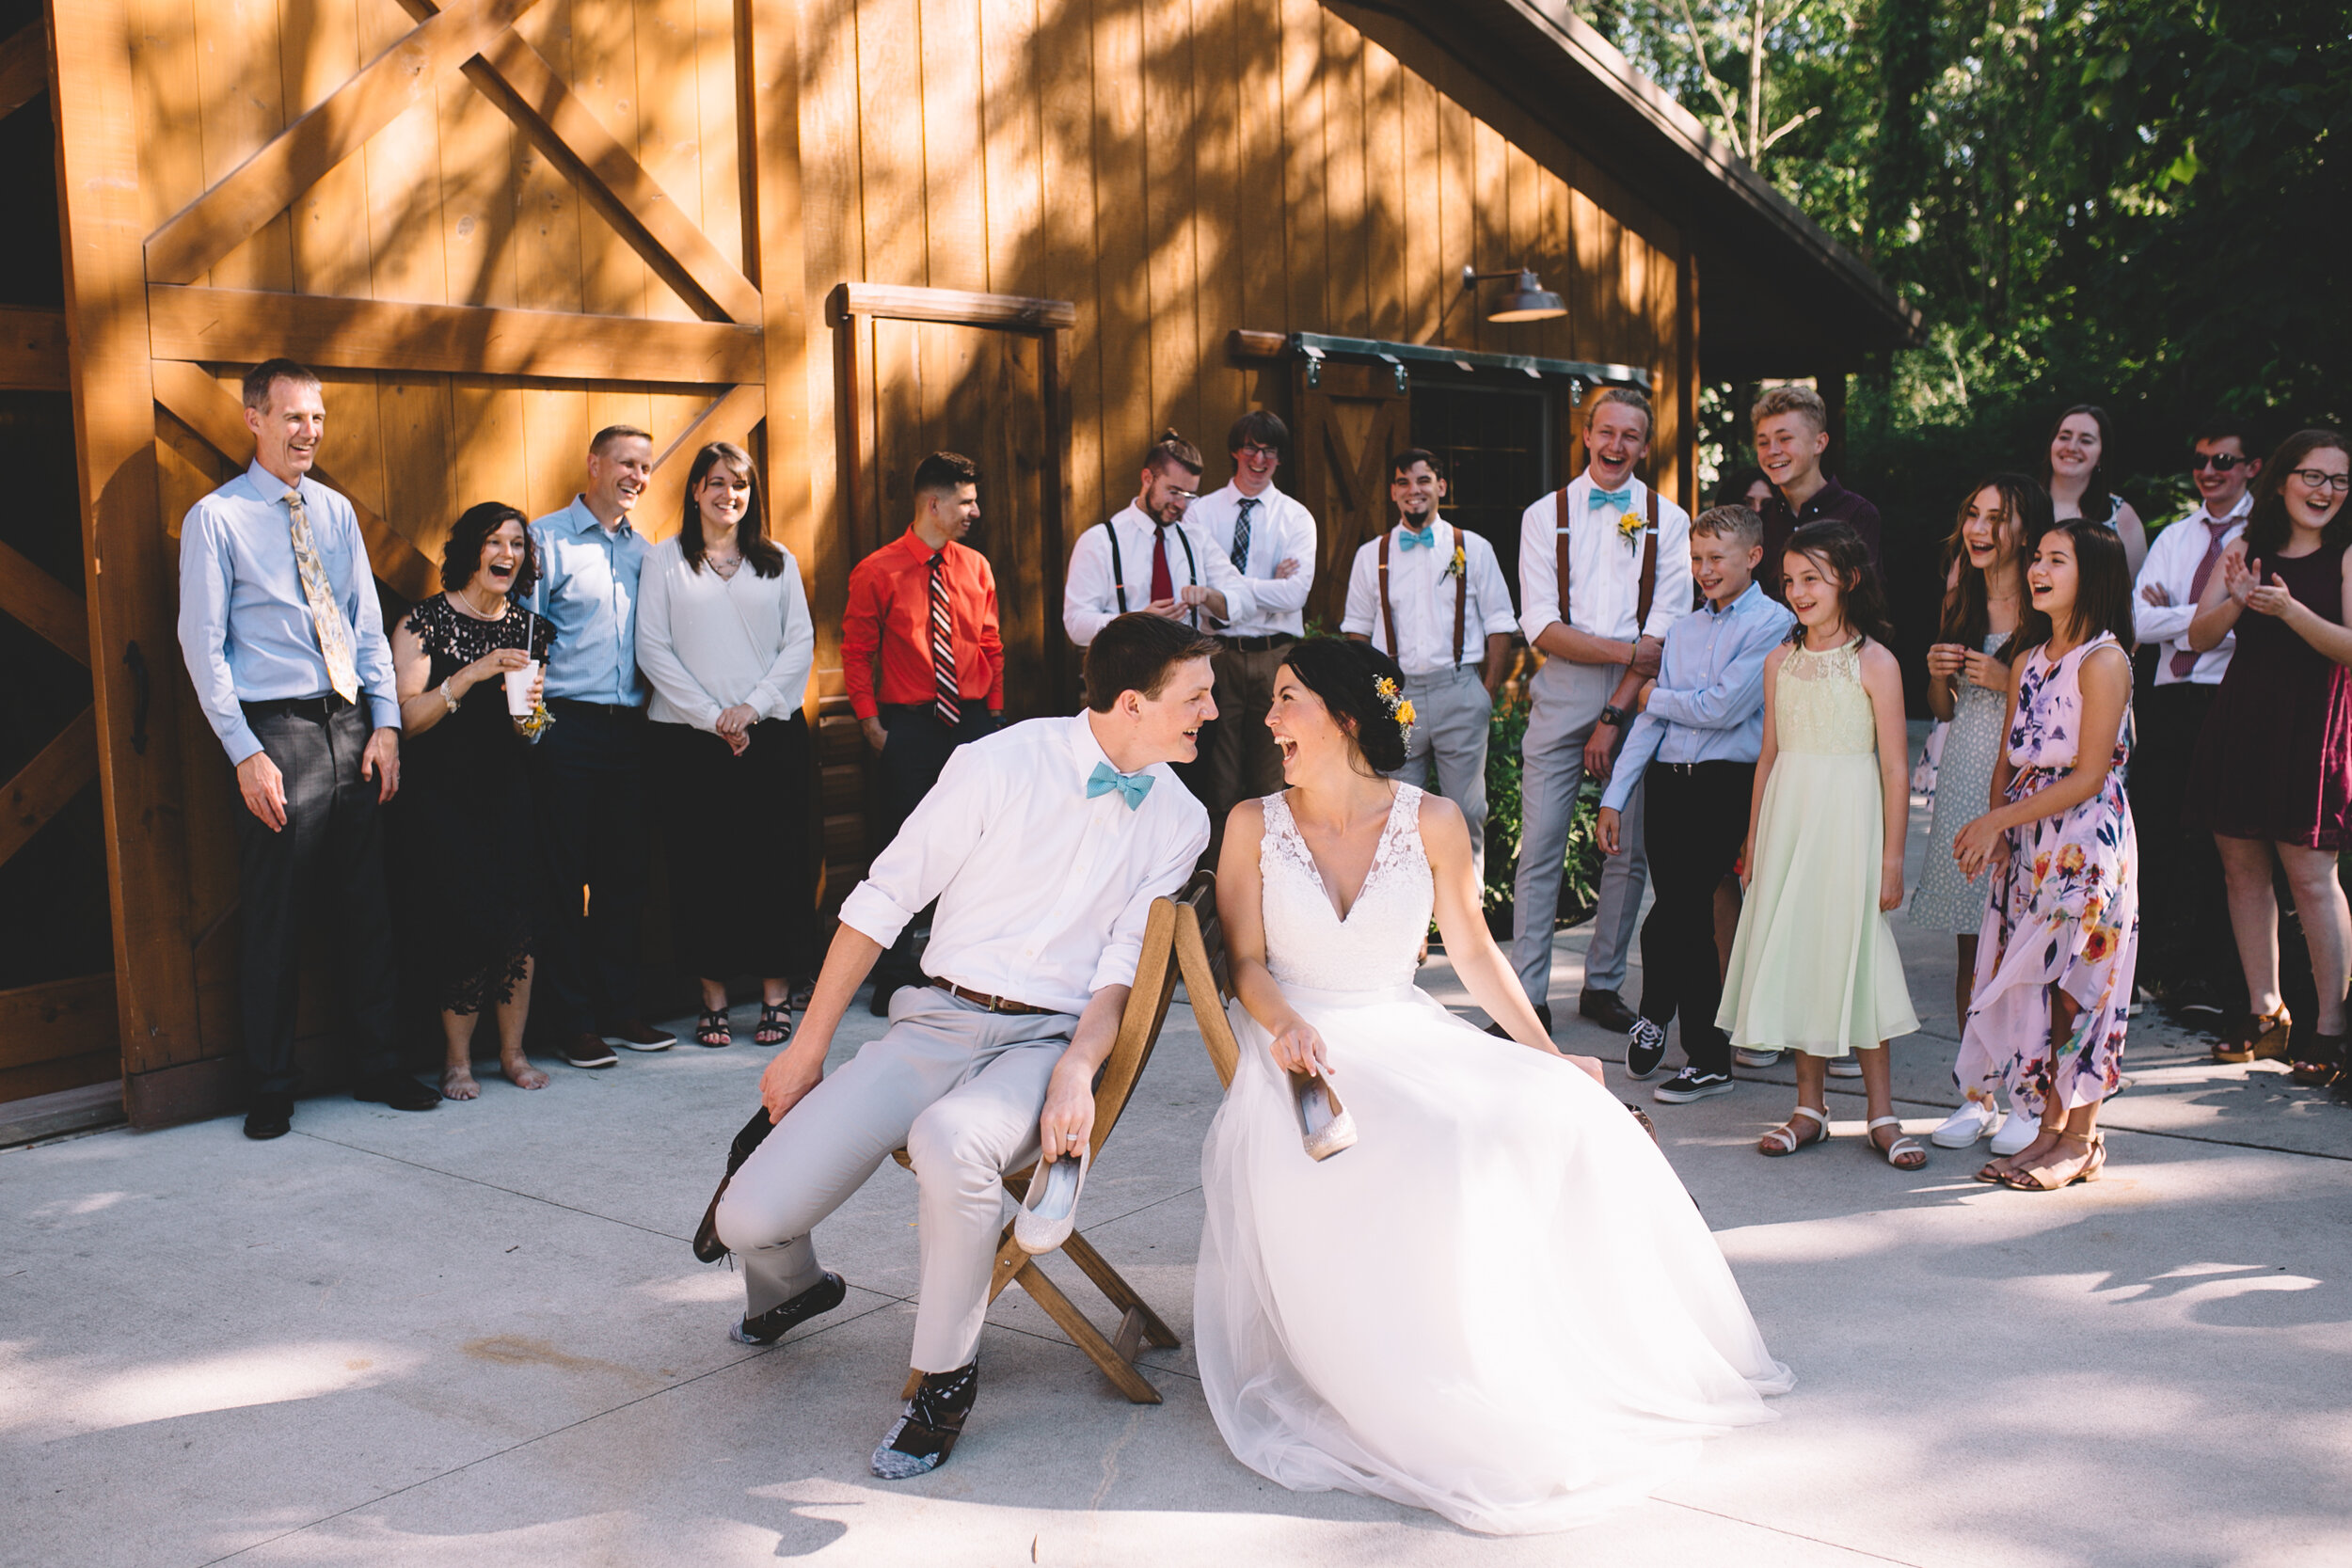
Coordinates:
column 461, row 827
column 2273, row 768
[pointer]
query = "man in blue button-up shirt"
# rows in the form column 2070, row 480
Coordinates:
column 1693, row 753
column 588, row 773
column 296, row 681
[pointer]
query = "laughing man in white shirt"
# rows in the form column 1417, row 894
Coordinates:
column 1430, row 595
column 1601, row 634
column 1151, row 558
column 1044, row 845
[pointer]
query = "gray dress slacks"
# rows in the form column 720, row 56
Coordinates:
column 960, row 1089
column 1567, row 701
column 1450, row 712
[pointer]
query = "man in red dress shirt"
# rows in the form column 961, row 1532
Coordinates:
column 926, row 604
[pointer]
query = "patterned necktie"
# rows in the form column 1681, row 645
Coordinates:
column 326, row 617
column 2186, row 660
column 942, row 647
column 1240, row 537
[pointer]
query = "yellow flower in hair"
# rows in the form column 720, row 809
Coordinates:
column 1387, row 689
column 1405, row 715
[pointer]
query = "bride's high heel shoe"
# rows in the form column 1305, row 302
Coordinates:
column 1049, row 1210
column 1324, row 1125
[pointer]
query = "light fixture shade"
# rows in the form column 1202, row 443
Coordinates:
column 1530, row 301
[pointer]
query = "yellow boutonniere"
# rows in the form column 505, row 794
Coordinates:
column 1629, row 526
column 1459, row 565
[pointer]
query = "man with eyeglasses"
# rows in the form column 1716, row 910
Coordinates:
column 1270, row 540
column 2184, row 926
column 1150, row 558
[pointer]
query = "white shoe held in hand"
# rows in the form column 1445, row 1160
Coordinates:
column 1324, row 1125
column 1049, row 1212
column 1965, row 1126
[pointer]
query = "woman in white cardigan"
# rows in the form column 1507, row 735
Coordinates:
column 724, row 637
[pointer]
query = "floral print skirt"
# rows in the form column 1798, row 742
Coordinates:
column 2064, row 914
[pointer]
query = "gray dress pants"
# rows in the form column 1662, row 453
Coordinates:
column 1451, row 711
column 960, row 1089
column 1568, row 702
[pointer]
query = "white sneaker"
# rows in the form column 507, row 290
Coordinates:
column 1749, row 1057
column 2017, row 1130
column 1964, row 1125
column 1844, row 1067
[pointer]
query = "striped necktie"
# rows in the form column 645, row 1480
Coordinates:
column 327, row 616
column 1240, row 536
column 944, row 701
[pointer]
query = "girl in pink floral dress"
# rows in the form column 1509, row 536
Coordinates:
column 2062, row 929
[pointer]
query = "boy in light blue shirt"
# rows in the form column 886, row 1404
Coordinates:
column 1693, row 750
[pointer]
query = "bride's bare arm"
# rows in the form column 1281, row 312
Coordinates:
column 1297, row 1047
column 1484, row 971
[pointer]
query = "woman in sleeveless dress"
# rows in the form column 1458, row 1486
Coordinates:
column 1499, row 1304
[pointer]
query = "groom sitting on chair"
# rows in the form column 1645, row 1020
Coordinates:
column 1045, row 845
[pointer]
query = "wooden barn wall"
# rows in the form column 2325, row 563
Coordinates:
column 1181, row 168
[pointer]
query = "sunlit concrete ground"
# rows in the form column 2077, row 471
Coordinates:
column 478, row 1336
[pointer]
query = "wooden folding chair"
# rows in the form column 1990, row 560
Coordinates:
column 1138, row 1031
column 1208, row 975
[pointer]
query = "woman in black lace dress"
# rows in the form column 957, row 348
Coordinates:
column 461, row 826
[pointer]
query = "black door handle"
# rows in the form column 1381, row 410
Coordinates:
column 141, row 690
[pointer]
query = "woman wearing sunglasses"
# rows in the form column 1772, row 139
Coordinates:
column 2272, row 778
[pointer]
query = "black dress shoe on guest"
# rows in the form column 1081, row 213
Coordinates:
column 398, row 1090
column 774, row 1324
column 271, row 1116
column 926, row 1434
column 1543, row 1016
column 1606, row 1008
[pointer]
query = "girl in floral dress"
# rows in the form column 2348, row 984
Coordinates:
column 2062, row 929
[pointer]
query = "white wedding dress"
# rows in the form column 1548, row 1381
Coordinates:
column 1500, row 1303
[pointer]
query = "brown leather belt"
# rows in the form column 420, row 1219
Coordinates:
column 994, row 1004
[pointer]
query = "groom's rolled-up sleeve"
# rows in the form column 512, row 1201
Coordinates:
column 928, row 850
column 1169, row 870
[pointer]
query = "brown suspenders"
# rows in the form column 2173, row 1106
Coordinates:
column 1649, row 559
column 1461, row 596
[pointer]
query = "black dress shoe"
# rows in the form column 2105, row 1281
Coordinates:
column 921, row 1440
column 270, row 1117
column 1543, row 1016
column 776, row 1321
column 398, row 1090
column 1606, row 1008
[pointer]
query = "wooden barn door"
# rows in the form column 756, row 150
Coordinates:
column 930, row 370
column 1350, row 420
column 493, row 227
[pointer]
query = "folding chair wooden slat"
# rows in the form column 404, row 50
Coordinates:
column 1139, row 1032
column 1208, row 984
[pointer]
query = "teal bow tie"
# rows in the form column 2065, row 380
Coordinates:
column 1106, row 778
column 1596, row 497
column 1424, row 540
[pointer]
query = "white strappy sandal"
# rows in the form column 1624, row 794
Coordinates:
column 1783, row 1141
column 1901, row 1146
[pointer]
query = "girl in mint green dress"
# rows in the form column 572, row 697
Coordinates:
column 1814, row 969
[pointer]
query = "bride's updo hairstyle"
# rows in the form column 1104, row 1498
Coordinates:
column 1347, row 676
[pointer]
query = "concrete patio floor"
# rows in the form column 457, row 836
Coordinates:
column 477, row 1337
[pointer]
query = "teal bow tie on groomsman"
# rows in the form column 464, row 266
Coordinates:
column 1132, row 787
column 1596, row 497
column 1424, row 540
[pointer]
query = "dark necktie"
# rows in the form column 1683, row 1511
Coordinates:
column 942, row 647
column 1240, row 537
column 2186, row 660
column 1163, row 585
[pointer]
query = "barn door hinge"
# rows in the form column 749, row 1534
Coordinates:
column 1398, row 366
column 1314, row 364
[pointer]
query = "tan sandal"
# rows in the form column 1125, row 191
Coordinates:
column 2094, row 1160
column 1785, row 1136
column 2262, row 1035
column 1899, row 1147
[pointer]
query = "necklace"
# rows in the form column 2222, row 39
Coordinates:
column 464, row 602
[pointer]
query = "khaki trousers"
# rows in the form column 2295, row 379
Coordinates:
column 960, row 1089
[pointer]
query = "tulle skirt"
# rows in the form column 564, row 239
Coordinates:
column 1500, row 1305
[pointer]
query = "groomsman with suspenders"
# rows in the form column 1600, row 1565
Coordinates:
column 1150, row 558
column 1429, row 593
column 1627, row 554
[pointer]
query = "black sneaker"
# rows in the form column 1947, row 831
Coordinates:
column 921, row 1439
column 1690, row 1084
column 1644, row 1048
column 586, row 1051
column 772, row 1324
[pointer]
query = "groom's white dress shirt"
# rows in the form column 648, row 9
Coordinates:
column 1042, row 891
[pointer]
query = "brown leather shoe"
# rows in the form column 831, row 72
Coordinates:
column 586, row 1051
column 2262, row 1035
column 640, row 1036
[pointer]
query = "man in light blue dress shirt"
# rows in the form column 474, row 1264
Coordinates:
column 284, row 639
column 588, row 772
column 1693, row 754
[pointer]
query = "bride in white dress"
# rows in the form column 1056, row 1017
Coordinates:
column 1499, row 1304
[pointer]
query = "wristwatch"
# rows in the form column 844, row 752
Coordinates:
column 1613, row 716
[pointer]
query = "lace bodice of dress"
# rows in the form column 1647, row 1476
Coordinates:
column 1820, row 705
column 1376, row 946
